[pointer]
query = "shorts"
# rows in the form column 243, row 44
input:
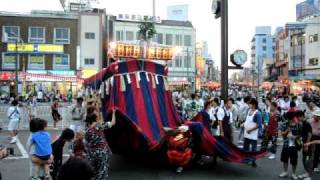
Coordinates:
column 13, row 124
column 43, row 158
column 290, row 153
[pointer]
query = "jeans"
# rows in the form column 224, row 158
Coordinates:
column 246, row 145
column 265, row 143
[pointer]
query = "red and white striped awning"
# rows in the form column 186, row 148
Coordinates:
column 51, row 78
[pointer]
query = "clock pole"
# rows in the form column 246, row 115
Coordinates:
column 224, row 49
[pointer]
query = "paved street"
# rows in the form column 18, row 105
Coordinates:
column 16, row 168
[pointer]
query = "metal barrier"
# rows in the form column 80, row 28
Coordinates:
column 43, row 112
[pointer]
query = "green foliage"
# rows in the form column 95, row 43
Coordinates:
column 147, row 29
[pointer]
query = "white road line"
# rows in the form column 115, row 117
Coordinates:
column 22, row 149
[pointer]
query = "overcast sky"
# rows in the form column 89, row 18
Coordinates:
column 244, row 15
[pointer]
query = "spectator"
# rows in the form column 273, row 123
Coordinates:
column 43, row 151
column 69, row 96
column 228, row 120
column 290, row 131
column 77, row 169
column 306, row 134
column 40, row 96
column 243, row 116
column 315, row 124
column 218, row 115
column 67, row 135
column 33, row 127
column 14, row 115
column 271, row 133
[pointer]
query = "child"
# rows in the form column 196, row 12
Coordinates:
column 67, row 135
column 34, row 127
column 42, row 155
column 290, row 131
column 78, row 146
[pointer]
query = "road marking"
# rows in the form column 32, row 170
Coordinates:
column 22, row 149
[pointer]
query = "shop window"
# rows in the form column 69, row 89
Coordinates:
column 169, row 39
column 160, row 38
column 89, row 35
column 61, row 62
column 313, row 61
column 36, row 62
column 187, row 40
column 89, row 61
column 11, row 32
column 36, row 35
column 178, row 40
column 313, row 38
column 129, row 35
column 9, row 61
column 61, row 35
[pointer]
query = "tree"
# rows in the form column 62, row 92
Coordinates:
column 147, row 29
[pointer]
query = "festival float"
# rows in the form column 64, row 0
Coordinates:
column 136, row 85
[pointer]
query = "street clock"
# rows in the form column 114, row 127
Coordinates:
column 239, row 57
column 215, row 8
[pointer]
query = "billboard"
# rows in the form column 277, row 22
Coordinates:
column 177, row 13
column 307, row 8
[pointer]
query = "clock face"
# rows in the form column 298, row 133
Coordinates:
column 214, row 6
column 239, row 57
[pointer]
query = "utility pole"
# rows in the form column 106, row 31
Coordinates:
column 224, row 49
column 17, row 78
column 154, row 10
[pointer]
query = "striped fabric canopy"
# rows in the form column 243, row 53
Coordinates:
column 139, row 91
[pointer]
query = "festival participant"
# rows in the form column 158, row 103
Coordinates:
column 78, row 113
column 290, row 131
column 306, row 134
column 311, row 108
column 67, row 135
column 79, row 150
column 284, row 104
column 192, row 107
column 99, row 153
column 179, row 152
column 251, row 128
column 55, row 113
column 218, row 114
column 315, row 124
column 228, row 120
column 14, row 115
column 271, row 133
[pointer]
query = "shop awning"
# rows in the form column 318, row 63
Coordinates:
column 50, row 78
column 179, row 83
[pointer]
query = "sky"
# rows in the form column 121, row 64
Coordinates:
column 244, row 16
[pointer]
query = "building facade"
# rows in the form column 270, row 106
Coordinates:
column 307, row 10
column 169, row 33
column 44, row 42
column 92, row 39
column 262, row 47
column 282, row 53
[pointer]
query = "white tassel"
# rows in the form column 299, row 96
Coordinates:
column 102, row 88
column 147, row 77
column 157, row 80
column 128, row 78
column 138, row 76
column 111, row 81
column 107, row 86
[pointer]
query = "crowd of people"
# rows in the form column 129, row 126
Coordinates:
column 259, row 120
column 264, row 119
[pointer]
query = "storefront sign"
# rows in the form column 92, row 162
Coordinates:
column 61, row 73
column 35, row 48
column 61, row 62
column 9, row 61
column 36, row 62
